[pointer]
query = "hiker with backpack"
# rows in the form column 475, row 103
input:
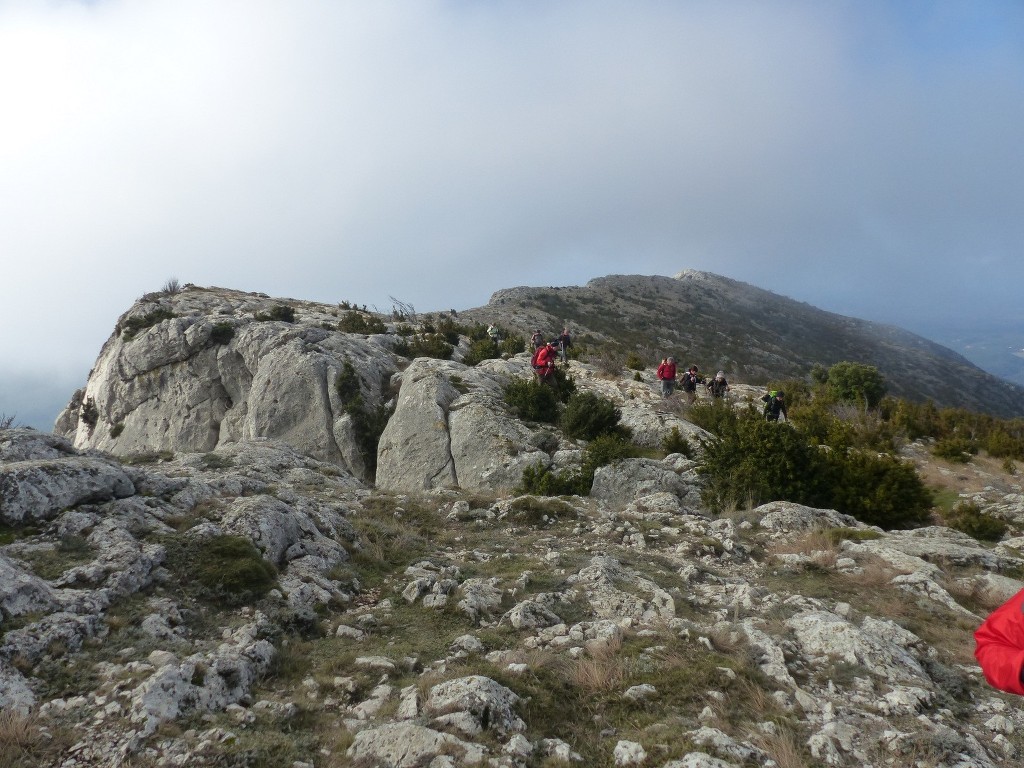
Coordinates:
column 537, row 340
column 689, row 383
column 774, row 406
column 543, row 363
column 564, row 342
column 667, row 376
column 492, row 333
column 718, row 386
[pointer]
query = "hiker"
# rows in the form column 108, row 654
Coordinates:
column 667, row 375
column 774, row 406
column 718, row 386
column 564, row 342
column 544, row 363
column 537, row 340
column 689, row 383
column 492, row 333
column 999, row 646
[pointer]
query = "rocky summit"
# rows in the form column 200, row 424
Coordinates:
column 266, row 533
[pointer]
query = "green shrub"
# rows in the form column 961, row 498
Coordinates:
column 513, row 344
column 675, row 442
column 957, row 449
column 634, row 362
column 968, row 517
column 753, row 461
column 426, row 345
column 357, row 322
column 225, row 569
column 578, row 481
column 716, row 416
column 116, row 430
column 532, row 401
column 89, row 414
column 481, row 349
column 222, row 333
column 855, row 383
column 877, row 489
column 588, row 415
column 133, row 325
column 279, row 312
column 368, row 422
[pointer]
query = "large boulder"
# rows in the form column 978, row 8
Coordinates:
column 35, row 490
column 215, row 370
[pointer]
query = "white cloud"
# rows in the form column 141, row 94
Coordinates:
column 859, row 156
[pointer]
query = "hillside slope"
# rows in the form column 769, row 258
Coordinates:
column 752, row 334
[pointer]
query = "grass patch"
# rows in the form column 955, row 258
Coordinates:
column 226, row 570
column 26, row 743
column 70, row 551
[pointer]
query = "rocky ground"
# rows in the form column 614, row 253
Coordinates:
column 251, row 603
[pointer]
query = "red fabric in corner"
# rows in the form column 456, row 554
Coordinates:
column 999, row 645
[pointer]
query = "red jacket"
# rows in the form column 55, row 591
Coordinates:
column 544, row 358
column 999, row 645
column 667, row 371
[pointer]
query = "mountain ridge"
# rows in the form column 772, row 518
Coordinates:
column 753, row 334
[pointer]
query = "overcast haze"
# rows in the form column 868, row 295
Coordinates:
column 862, row 156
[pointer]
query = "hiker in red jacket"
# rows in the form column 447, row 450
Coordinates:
column 667, row 376
column 544, row 363
column 999, row 646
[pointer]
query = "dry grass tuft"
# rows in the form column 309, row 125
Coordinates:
column 784, row 748
column 602, row 669
column 817, row 545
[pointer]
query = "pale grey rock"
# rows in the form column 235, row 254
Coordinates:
column 480, row 598
column 269, row 523
column 172, row 388
column 700, row 760
column 600, row 584
column 15, row 694
column 414, row 453
column 620, row 483
column 880, row 646
column 40, row 489
column 490, row 449
column 518, row 747
column 640, row 692
column 922, row 586
column 992, row 588
column 24, row 444
column 489, row 704
column 530, row 614
column 723, row 744
column 406, row 745
column 629, row 753
column 22, row 592
column 784, row 517
column 938, row 544
column 559, row 750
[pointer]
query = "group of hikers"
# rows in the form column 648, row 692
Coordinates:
column 547, row 353
column 774, row 401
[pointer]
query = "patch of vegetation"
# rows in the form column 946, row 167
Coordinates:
column 171, row 287
column 968, row 517
column 601, row 451
column 635, row 362
column 368, row 422
column 225, row 570
column 358, row 322
column 956, row 449
column 424, row 345
column 588, row 415
column 480, row 350
column 222, row 333
column 27, row 741
column 754, row 461
column 676, row 442
column 533, row 511
column 216, row 461
column 116, row 430
column 70, row 551
column 279, row 312
column 532, row 401
column 134, row 325
column 837, row 535
column 89, row 414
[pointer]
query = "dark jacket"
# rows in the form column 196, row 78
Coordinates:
column 773, row 406
column 690, row 381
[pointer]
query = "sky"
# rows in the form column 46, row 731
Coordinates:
column 864, row 156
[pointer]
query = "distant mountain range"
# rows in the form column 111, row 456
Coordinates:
column 752, row 334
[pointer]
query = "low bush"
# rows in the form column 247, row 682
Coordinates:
column 425, row 345
column 532, row 401
column 134, row 325
column 222, row 333
column 634, row 362
column 956, row 449
column 578, row 481
column 480, row 350
column 588, row 415
column 368, row 422
column 223, row 569
column 754, row 461
column 280, row 312
column 969, row 518
column 676, row 442
column 358, row 322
